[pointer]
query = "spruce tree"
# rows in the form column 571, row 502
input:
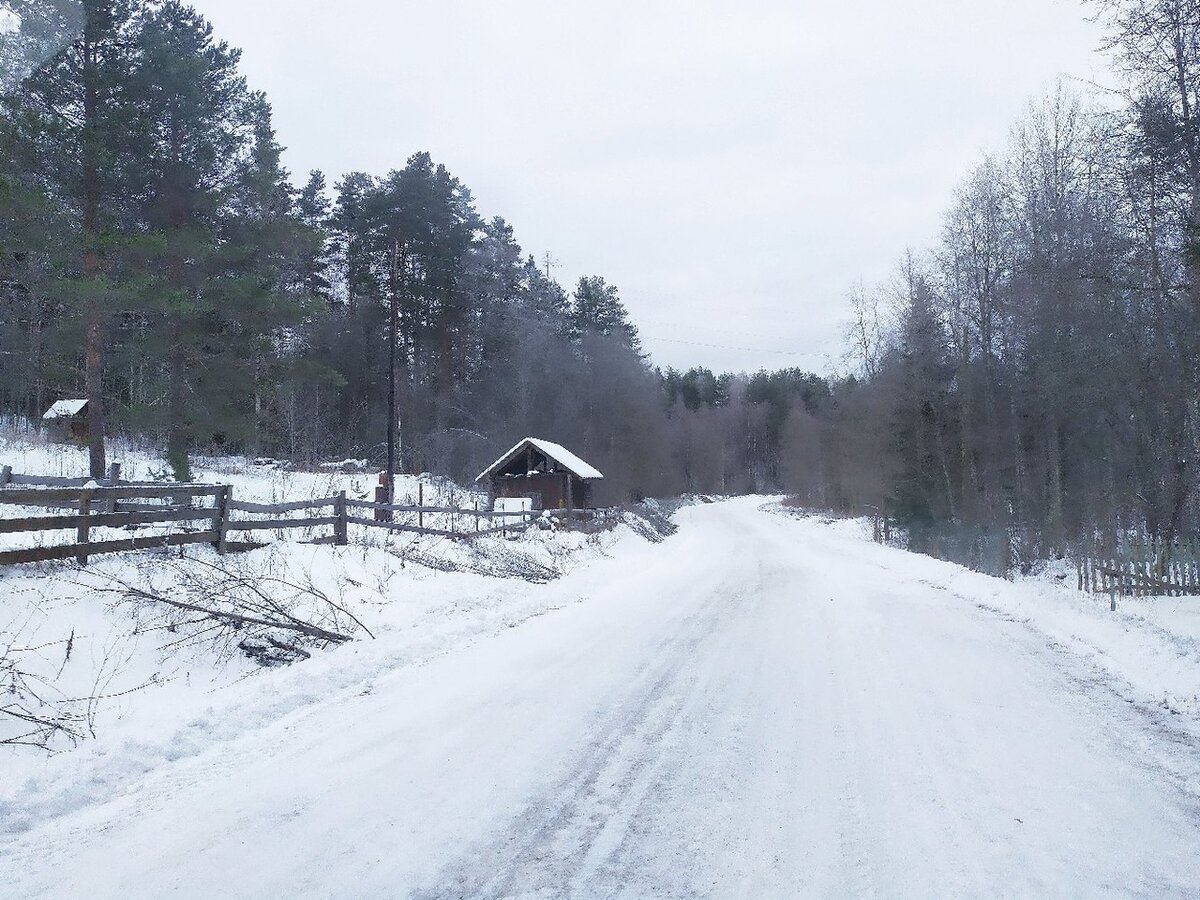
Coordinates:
column 313, row 210
column 597, row 310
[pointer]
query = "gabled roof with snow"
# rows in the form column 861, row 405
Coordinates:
column 561, row 455
column 64, row 409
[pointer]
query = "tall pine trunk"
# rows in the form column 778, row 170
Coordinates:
column 179, row 437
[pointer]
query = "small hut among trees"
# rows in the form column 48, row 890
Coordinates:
column 549, row 474
column 66, row 421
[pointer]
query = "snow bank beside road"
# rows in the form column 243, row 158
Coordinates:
column 118, row 684
column 1151, row 645
column 169, row 699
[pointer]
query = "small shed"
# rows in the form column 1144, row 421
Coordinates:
column 553, row 476
column 66, row 421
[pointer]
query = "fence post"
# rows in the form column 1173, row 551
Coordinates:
column 222, row 517
column 81, row 531
column 383, row 496
column 420, row 504
column 477, row 516
column 5, row 475
column 114, row 476
column 341, row 528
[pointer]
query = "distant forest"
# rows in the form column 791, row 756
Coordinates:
column 1030, row 382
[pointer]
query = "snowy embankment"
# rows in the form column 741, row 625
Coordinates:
column 127, row 681
column 1149, row 645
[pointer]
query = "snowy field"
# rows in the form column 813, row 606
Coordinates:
column 764, row 705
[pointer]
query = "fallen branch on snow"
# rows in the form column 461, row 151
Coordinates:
column 239, row 619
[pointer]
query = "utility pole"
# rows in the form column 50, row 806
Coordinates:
column 94, row 328
column 393, row 329
column 550, row 262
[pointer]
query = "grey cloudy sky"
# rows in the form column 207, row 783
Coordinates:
column 732, row 167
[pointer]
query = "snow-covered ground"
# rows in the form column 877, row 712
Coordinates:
column 761, row 706
column 265, row 482
column 258, row 481
column 134, row 682
column 1150, row 644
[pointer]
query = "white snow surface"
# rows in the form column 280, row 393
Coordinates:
column 512, row 504
column 761, row 706
column 264, row 481
column 556, row 452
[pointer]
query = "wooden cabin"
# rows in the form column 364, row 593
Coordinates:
column 66, row 421
column 547, row 473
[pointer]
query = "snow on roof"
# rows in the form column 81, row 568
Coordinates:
column 64, row 409
column 556, row 452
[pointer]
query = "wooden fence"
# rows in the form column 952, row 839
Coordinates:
column 112, row 507
column 1142, row 569
column 114, row 504
column 1138, row 578
column 9, row 478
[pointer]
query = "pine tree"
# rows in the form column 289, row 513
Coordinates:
column 75, row 116
column 37, row 349
column 543, row 297
column 32, row 32
column 220, row 209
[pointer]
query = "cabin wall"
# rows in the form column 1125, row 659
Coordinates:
column 550, row 490
column 66, row 431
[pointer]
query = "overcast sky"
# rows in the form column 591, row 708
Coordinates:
column 732, row 167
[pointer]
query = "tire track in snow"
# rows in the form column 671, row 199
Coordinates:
column 568, row 834
column 852, row 833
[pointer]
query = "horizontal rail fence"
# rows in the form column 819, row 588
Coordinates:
column 111, row 503
column 282, row 517
column 1142, row 569
column 9, row 478
column 122, row 506
column 384, row 516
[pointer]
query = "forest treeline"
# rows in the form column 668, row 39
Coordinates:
column 1031, row 380
column 1034, row 378
column 158, row 260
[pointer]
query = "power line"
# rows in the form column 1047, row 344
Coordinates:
column 728, row 347
column 693, row 325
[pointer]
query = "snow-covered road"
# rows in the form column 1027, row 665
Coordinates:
column 759, row 707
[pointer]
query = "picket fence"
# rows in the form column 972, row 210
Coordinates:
column 1142, row 569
